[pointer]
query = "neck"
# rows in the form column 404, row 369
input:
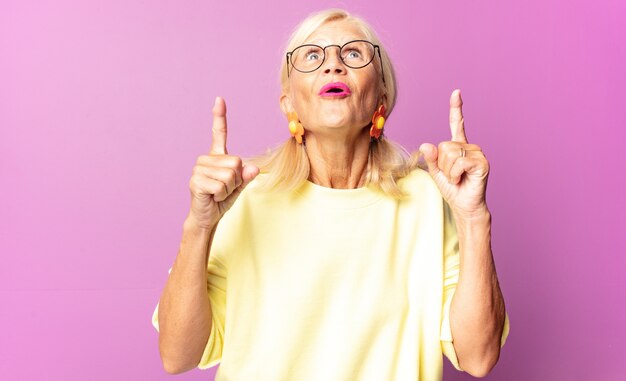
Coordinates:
column 338, row 163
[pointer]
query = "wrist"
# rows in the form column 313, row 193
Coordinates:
column 476, row 216
column 193, row 226
column 474, row 226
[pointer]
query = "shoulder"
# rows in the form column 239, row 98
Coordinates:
column 256, row 196
column 419, row 183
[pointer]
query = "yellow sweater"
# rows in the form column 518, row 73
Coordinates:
column 334, row 285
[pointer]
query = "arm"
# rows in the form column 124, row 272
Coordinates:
column 477, row 314
column 477, row 311
column 184, row 308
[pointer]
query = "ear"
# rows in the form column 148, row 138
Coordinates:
column 383, row 100
column 285, row 104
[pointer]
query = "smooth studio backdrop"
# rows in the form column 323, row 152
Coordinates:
column 104, row 107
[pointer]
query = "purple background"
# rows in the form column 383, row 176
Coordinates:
column 104, row 107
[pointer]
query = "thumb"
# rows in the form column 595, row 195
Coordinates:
column 248, row 173
column 429, row 152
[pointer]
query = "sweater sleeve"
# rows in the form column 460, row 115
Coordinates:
column 216, row 287
column 451, row 258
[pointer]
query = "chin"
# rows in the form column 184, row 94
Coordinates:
column 334, row 117
column 334, row 123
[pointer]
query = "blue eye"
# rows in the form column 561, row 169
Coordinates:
column 353, row 54
column 312, row 56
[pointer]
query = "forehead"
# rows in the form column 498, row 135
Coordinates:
column 335, row 33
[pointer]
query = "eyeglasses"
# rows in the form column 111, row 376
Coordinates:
column 354, row 54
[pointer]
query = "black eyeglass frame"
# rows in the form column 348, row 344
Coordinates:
column 376, row 48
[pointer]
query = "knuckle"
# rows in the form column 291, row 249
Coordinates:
column 449, row 155
column 203, row 160
column 236, row 161
column 193, row 185
column 232, row 175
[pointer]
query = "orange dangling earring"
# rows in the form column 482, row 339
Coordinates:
column 295, row 127
column 378, row 122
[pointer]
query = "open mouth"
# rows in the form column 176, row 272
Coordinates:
column 335, row 89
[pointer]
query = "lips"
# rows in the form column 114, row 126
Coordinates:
column 335, row 89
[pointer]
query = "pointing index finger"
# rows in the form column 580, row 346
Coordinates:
column 457, row 126
column 218, row 146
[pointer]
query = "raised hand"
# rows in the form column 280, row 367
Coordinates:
column 218, row 178
column 459, row 169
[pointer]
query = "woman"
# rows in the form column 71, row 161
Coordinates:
column 335, row 257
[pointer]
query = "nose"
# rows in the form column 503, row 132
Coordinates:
column 333, row 63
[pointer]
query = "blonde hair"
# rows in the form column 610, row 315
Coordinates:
column 287, row 166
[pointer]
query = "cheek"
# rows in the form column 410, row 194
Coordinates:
column 301, row 85
column 302, row 99
column 370, row 88
column 369, row 96
column 301, row 95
